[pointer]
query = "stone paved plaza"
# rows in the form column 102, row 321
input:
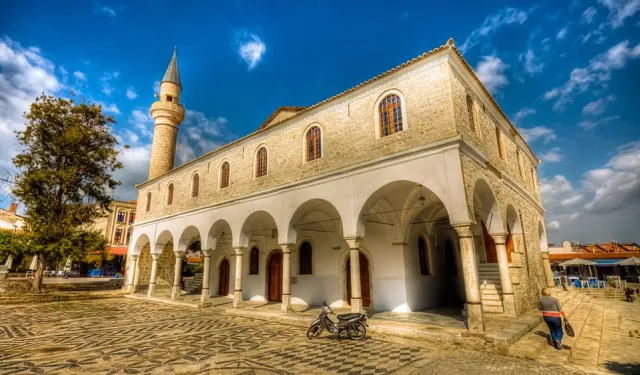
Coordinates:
column 124, row 336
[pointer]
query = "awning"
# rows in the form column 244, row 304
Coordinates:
column 606, row 262
column 118, row 250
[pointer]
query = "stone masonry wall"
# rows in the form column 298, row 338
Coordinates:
column 166, row 263
column 348, row 138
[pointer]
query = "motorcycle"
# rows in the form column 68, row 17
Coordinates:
column 354, row 325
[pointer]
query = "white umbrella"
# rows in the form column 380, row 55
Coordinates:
column 67, row 266
column 633, row 261
column 578, row 262
column 34, row 264
column 9, row 262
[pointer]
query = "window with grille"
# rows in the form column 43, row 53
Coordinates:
column 471, row 113
column 148, row 205
column 314, row 144
column 121, row 216
column 261, row 162
column 423, row 254
column 254, row 258
column 170, row 195
column 224, row 175
column 118, row 236
column 390, row 112
column 195, row 186
column 305, row 258
column 132, row 217
column 500, row 145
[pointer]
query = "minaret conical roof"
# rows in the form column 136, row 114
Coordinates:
column 172, row 74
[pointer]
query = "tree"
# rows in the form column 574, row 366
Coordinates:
column 66, row 164
column 12, row 243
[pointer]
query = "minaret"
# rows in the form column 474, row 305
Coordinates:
column 167, row 115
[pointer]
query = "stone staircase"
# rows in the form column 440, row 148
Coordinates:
column 193, row 285
column 490, row 288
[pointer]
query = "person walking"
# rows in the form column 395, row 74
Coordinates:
column 552, row 314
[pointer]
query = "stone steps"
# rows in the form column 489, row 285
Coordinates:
column 193, row 286
column 490, row 288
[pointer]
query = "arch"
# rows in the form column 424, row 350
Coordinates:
column 542, row 234
column 314, row 215
column 189, row 235
column 259, row 225
column 148, row 202
column 390, row 113
column 225, row 174
column 486, row 207
column 140, row 242
column 273, row 275
column 219, row 235
column 164, row 238
column 195, row 185
column 514, row 225
column 261, row 162
column 313, row 143
column 345, row 276
column 170, row 190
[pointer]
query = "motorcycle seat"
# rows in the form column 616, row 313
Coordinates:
column 349, row 316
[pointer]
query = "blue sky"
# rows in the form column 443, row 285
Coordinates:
column 566, row 75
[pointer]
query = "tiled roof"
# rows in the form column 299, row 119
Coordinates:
column 567, row 256
column 266, row 123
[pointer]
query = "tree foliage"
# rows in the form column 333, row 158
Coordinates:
column 65, row 170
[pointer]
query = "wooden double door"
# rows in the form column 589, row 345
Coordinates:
column 365, row 283
column 274, row 268
column 223, row 280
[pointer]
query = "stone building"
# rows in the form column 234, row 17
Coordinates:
column 10, row 220
column 409, row 191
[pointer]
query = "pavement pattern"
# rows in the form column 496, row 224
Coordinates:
column 124, row 336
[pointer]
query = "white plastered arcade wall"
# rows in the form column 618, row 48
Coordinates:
column 346, row 198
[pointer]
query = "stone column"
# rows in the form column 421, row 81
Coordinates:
column 154, row 273
column 237, row 293
column 356, row 288
column 508, row 300
column 286, row 278
column 546, row 265
column 132, row 272
column 475, row 315
column 177, row 275
column 205, row 300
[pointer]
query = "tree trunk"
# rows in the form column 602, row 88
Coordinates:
column 38, row 275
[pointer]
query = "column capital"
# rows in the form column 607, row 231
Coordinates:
column 545, row 254
column 499, row 238
column 238, row 249
column 207, row 252
column 286, row 247
column 134, row 256
column 463, row 230
column 353, row 242
column 180, row 254
column 155, row 256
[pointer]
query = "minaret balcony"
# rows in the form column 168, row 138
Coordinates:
column 167, row 109
column 167, row 105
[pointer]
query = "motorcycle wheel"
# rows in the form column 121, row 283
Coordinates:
column 357, row 331
column 314, row 331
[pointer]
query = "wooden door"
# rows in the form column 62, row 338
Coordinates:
column 275, row 277
column 489, row 245
column 223, row 282
column 510, row 246
column 365, row 283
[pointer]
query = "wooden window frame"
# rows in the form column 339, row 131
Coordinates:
column 124, row 216
column 195, row 185
column 305, row 269
column 148, row 202
column 313, row 143
column 391, row 115
column 262, row 162
column 170, row 191
column 500, row 143
column 225, row 175
column 254, row 256
column 117, row 239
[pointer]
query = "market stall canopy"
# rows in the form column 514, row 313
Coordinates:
column 607, row 262
column 633, row 261
column 578, row 262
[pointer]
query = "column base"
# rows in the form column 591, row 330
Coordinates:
column 356, row 305
column 152, row 289
column 175, row 292
column 509, row 304
column 237, row 299
column 205, row 300
column 131, row 289
column 475, row 318
column 285, row 307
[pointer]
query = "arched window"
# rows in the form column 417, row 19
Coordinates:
column 314, row 144
column 148, row 203
column 390, row 112
column 500, row 145
column 224, row 175
column 261, row 162
column 254, row 259
column 423, row 254
column 471, row 113
column 305, row 259
column 170, row 195
column 195, row 185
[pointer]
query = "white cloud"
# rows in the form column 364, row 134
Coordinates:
column 106, row 79
column 142, row 122
column 588, row 125
column 80, row 75
column 24, row 74
column 522, row 114
column 555, row 225
column 537, row 132
column 620, row 10
column 552, row 156
column 588, row 15
column 597, row 107
column 572, row 200
column 562, row 33
column 598, row 72
column 136, row 170
column 491, row 72
column 156, row 87
column 531, row 63
column 200, row 134
column 109, row 108
column 251, row 49
column 131, row 93
column 105, row 10
column 506, row 16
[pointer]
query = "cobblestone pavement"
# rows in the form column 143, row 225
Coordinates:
column 124, row 336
